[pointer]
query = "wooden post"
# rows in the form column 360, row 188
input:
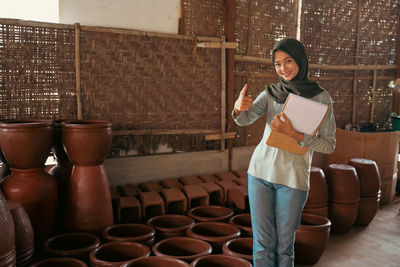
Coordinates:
column 396, row 94
column 371, row 120
column 78, row 72
column 356, row 54
column 223, row 92
column 229, row 31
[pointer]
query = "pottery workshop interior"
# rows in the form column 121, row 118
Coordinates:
column 120, row 146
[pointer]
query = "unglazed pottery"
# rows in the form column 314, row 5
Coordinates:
column 170, row 225
column 7, row 236
column 239, row 247
column 156, row 261
column 220, row 261
column 208, row 213
column 60, row 262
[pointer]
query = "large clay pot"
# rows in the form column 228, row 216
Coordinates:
column 170, row 225
column 220, row 261
column 7, row 235
column 24, row 236
column 368, row 175
column 62, row 172
column 183, row 248
column 311, row 238
column 240, row 247
column 74, row 245
column 114, row 254
column 155, row 261
column 343, row 184
column 210, row 213
column 216, row 233
column 36, row 191
column 321, row 211
column 60, row 262
column 367, row 209
column 26, row 143
column 342, row 216
column 318, row 193
column 243, row 222
column 141, row 233
column 89, row 207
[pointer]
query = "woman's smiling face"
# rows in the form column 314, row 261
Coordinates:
column 285, row 66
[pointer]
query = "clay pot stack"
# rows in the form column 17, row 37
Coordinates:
column 370, row 184
column 344, row 196
column 317, row 201
column 7, row 235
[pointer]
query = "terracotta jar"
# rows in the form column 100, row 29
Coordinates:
column 141, row 233
column 318, row 193
column 322, row 211
column 60, row 262
column 343, row 183
column 311, row 238
column 89, row 207
column 367, row 209
column 216, row 233
column 114, row 254
column 170, row 225
column 74, row 245
column 26, row 145
column 368, row 176
column 342, row 216
column 182, row 248
column 210, row 213
column 62, row 172
column 24, row 236
column 243, row 222
column 220, row 261
column 240, row 247
column 156, row 261
column 7, row 236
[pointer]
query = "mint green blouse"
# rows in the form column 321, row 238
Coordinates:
column 279, row 166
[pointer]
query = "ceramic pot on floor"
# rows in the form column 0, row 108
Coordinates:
column 220, row 261
column 7, row 236
column 60, row 262
column 241, row 247
column 156, row 261
column 211, row 213
column 243, row 222
column 134, row 232
column 170, row 225
column 89, row 207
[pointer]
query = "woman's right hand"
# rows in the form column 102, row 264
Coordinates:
column 243, row 103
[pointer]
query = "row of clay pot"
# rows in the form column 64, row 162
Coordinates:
column 79, row 197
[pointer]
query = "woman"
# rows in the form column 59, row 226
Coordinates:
column 279, row 180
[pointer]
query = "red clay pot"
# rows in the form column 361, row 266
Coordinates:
column 156, row 261
column 220, row 261
column 182, row 248
column 26, row 144
column 114, row 254
column 342, row 216
column 368, row 175
column 36, row 191
column 240, row 247
column 321, row 211
column 343, row 184
column 243, row 222
column 75, row 245
column 318, row 193
column 216, row 233
column 367, row 209
column 170, row 225
column 7, row 236
column 210, row 213
column 141, row 233
column 311, row 238
column 24, row 236
column 60, row 262
column 87, row 142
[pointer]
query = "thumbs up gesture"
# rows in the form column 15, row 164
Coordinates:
column 243, row 103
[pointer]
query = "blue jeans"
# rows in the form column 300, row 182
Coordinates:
column 275, row 215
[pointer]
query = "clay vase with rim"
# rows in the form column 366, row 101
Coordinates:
column 156, row 261
column 220, row 261
column 60, row 262
column 311, row 238
column 7, row 235
column 114, row 254
column 26, row 145
column 318, row 193
column 321, row 211
column 182, row 248
column 89, row 206
column 343, row 183
column 170, row 225
column 74, row 245
column 210, row 213
column 24, row 235
column 62, row 172
column 216, row 233
column 367, row 209
column 243, row 222
column 241, row 247
column 134, row 232
column 368, row 176
column 342, row 216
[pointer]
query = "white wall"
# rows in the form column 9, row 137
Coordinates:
column 145, row 15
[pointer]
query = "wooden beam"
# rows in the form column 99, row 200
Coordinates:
column 223, row 93
column 230, row 45
column 166, row 132
column 218, row 136
column 78, row 72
